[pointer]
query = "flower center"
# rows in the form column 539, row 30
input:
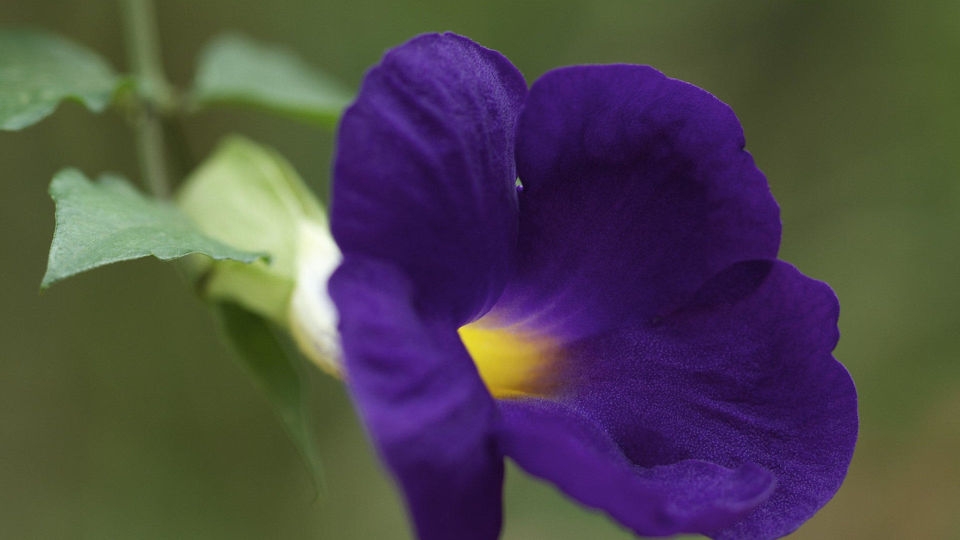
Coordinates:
column 512, row 364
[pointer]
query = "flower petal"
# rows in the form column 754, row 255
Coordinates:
column 636, row 190
column 552, row 441
column 743, row 374
column 424, row 175
column 422, row 401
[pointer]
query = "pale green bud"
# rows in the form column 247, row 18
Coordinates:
column 251, row 198
column 313, row 317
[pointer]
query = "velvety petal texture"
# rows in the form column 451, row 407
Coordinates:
column 692, row 386
column 636, row 190
column 741, row 375
column 555, row 441
column 429, row 415
column 425, row 175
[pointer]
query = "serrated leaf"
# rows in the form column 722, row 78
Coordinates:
column 237, row 70
column 38, row 70
column 107, row 221
column 248, row 196
column 261, row 351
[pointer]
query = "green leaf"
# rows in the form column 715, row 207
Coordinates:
column 38, row 70
column 248, row 196
column 108, row 221
column 273, row 365
column 236, row 70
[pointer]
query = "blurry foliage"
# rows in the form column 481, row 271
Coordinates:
column 233, row 69
column 122, row 417
column 40, row 69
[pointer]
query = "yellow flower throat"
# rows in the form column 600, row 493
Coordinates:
column 511, row 364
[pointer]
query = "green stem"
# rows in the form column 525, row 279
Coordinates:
column 155, row 94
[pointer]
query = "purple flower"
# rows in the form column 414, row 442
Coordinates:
column 616, row 321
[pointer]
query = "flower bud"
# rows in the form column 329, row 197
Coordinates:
column 251, row 198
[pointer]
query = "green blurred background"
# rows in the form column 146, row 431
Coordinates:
column 121, row 415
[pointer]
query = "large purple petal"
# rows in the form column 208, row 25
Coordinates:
column 636, row 190
column 423, row 403
column 553, row 441
column 424, row 175
column 741, row 375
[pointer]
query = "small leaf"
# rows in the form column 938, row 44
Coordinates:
column 236, row 70
column 38, row 70
column 248, row 196
column 108, row 221
column 262, row 352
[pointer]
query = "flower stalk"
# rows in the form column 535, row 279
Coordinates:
column 155, row 94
